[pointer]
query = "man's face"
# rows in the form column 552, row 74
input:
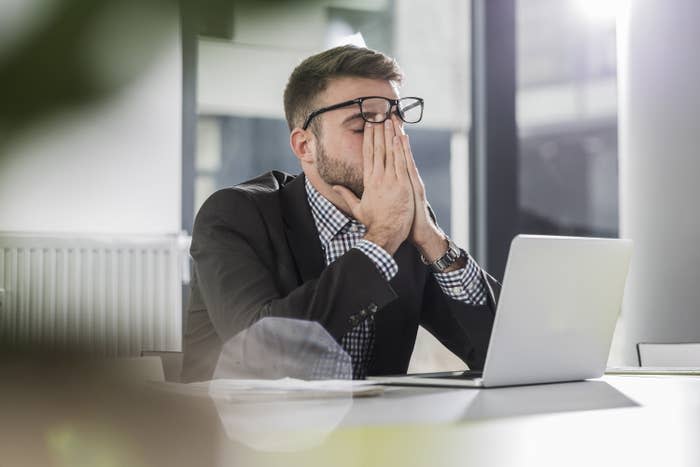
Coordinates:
column 339, row 148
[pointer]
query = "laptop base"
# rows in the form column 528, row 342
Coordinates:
column 454, row 379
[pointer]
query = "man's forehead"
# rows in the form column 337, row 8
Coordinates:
column 348, row 88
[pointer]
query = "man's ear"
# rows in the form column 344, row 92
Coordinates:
column 302, row 143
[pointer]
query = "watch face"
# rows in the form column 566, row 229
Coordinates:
column 453, row 253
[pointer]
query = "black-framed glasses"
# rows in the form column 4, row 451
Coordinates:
column 376, row 109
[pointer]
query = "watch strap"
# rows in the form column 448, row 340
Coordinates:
column 451, row 256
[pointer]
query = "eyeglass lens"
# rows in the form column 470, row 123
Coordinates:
column 376, row 110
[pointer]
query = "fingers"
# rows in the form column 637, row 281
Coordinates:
column 416, row 181
column 349, row 197
column 368, row 151
column 389, row 134
column 379, row 153
column 399, row 156
column 412, row 169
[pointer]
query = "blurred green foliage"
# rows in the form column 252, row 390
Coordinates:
column 85, row 50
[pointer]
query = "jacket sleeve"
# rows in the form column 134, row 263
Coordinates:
column 239, row 288
column 464, row 329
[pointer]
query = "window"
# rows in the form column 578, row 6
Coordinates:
column 241, row 77
column 567, row 119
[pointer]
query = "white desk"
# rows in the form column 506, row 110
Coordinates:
column 621, row 421
column 47, row 418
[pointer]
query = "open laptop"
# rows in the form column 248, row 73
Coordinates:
column 556, row 315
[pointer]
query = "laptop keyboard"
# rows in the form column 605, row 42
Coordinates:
column 469, row 374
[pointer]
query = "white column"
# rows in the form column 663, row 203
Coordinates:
column 659, row 134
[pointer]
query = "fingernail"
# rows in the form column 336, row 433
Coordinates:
column 368, row 124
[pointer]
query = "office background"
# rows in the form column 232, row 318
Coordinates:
column 189, row 100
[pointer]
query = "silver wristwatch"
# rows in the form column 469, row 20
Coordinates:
column 445, row 261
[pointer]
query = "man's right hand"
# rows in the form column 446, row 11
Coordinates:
column 387, row 204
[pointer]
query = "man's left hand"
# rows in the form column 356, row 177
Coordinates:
column 424, row 234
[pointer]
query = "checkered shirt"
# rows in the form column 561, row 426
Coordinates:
column 338, row 234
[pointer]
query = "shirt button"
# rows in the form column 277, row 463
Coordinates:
column 353, row 228
column 457, row 290
column 372, row 307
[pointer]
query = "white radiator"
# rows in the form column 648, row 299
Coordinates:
column 109, row 296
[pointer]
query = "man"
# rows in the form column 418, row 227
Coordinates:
column 351, row 243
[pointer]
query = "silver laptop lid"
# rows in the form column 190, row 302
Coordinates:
column 557, row 311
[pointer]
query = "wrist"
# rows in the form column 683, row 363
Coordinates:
column 433, row 245
column 459, row 264
column 384, row 240
column 450, row 259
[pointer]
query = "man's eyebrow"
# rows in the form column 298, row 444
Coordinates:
column 352, row 117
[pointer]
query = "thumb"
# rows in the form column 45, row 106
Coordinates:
column 348, row 196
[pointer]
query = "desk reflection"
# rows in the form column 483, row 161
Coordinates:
column 439, row 405
column 281, row 425
column 296, row 425
column 545, row 399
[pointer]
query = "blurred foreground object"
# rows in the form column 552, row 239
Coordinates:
column 275, row 348
column 67, row 410
column 60, row 54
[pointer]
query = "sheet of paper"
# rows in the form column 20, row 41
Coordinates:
column 285, row 388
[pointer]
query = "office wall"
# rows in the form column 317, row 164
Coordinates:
column 275, row 40
column 113, row 167
column 659, row 71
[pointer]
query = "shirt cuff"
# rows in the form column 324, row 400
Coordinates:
column 385, row 263
column 465, row 284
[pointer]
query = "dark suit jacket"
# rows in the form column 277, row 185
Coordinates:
column 257, row 253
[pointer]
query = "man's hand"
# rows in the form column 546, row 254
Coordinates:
column 424, row 234
column 387, row 204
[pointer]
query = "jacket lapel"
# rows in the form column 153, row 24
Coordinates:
column 300, row 229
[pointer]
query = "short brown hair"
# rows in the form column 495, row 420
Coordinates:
column 311, row 77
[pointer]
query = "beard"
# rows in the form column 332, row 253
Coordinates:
column 335, row 172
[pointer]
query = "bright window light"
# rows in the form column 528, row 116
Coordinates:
column 602, row 10
column 341, row 33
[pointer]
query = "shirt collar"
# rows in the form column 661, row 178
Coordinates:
column 329, row 219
